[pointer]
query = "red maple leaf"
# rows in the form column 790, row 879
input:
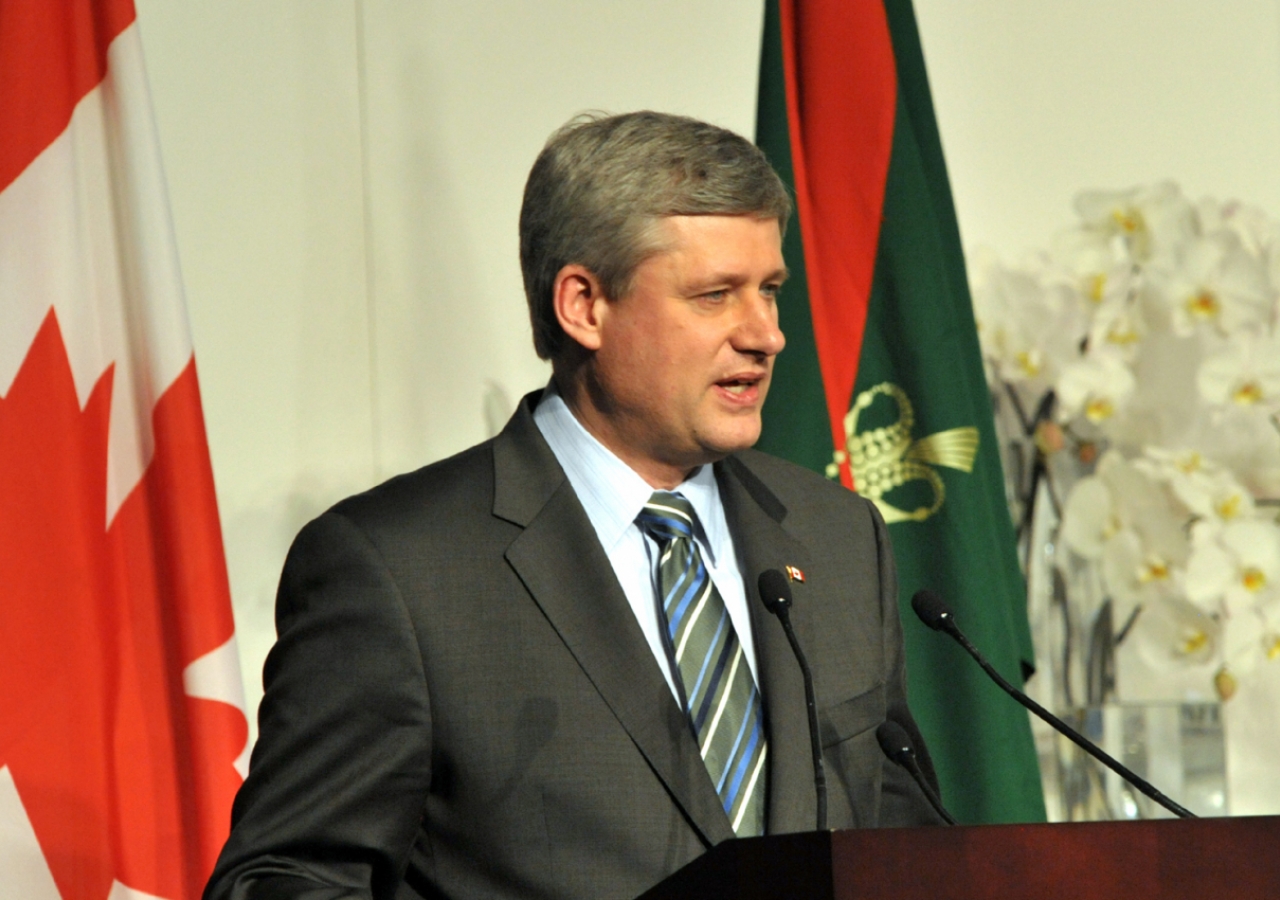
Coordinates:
column 123, row 776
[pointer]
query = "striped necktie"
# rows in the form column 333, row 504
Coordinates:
column 720, row 695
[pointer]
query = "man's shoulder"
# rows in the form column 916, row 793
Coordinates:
column 446, row 490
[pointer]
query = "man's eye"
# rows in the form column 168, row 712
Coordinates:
column 715, row 296
column 771, row 290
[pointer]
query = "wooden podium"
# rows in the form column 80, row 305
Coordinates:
column 1195, row 859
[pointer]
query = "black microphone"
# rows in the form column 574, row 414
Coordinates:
column 932, row 610
column 775, row 591
column 896, row 744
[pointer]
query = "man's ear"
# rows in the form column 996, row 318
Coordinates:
column 578, row 299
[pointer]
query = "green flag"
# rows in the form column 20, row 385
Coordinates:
column 881, row 385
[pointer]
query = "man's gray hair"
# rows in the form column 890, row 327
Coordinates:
column 600, row 186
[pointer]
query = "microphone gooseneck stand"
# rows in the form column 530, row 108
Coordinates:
column 933, row 611
column 896, row 744
column 776, row 594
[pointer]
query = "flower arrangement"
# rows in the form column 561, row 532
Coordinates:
column 1143, row 348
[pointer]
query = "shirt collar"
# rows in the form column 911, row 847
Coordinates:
column 611, row 492
column 702, row 492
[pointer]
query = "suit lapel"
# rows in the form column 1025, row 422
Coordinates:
column 560, row 561
column 755, row 516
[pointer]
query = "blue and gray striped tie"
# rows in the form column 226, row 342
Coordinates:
column 720, row 695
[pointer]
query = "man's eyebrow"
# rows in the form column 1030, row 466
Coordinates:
column 778, row 275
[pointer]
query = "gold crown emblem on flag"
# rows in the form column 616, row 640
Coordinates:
column 885, row 458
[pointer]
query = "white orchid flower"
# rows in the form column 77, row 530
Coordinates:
column 1239, row 440
column 1258, row 234
column 1235, row 566
column 1207, row 489
column 1028, row 330
column 1096, row 267
column 1245, row 371
column 1119, row 327
column 1250, row 637
column 1097, row 387
column 1176, row 633
column 1137, row 574
column 1144, row 219
column 1126, row 521
column 1215, row 285
column 1088, row 520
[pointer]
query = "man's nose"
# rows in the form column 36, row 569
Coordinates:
column 758, row 330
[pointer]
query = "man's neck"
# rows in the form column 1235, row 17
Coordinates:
column 657, row 474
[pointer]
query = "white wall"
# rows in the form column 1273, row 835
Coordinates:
column 461, row 97
column 346, row 177
column 1037, row 101
column 258, row 111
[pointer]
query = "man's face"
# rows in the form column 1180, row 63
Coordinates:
column 684, row 360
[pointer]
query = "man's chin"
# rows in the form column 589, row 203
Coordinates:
column 732, row 440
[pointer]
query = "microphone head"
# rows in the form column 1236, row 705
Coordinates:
column 932, row 609
column 895, row 742
column 775, row 591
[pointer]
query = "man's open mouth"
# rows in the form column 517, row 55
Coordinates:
column 739, row 386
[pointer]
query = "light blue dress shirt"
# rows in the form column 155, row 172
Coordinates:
column 613, row 494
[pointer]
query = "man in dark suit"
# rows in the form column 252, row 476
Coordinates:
column 489, row 680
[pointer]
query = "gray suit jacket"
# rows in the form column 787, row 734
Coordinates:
column 461, row 703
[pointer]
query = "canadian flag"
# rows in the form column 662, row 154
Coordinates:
column 123, row 736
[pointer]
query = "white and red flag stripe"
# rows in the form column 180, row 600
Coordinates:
column 122, row 727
